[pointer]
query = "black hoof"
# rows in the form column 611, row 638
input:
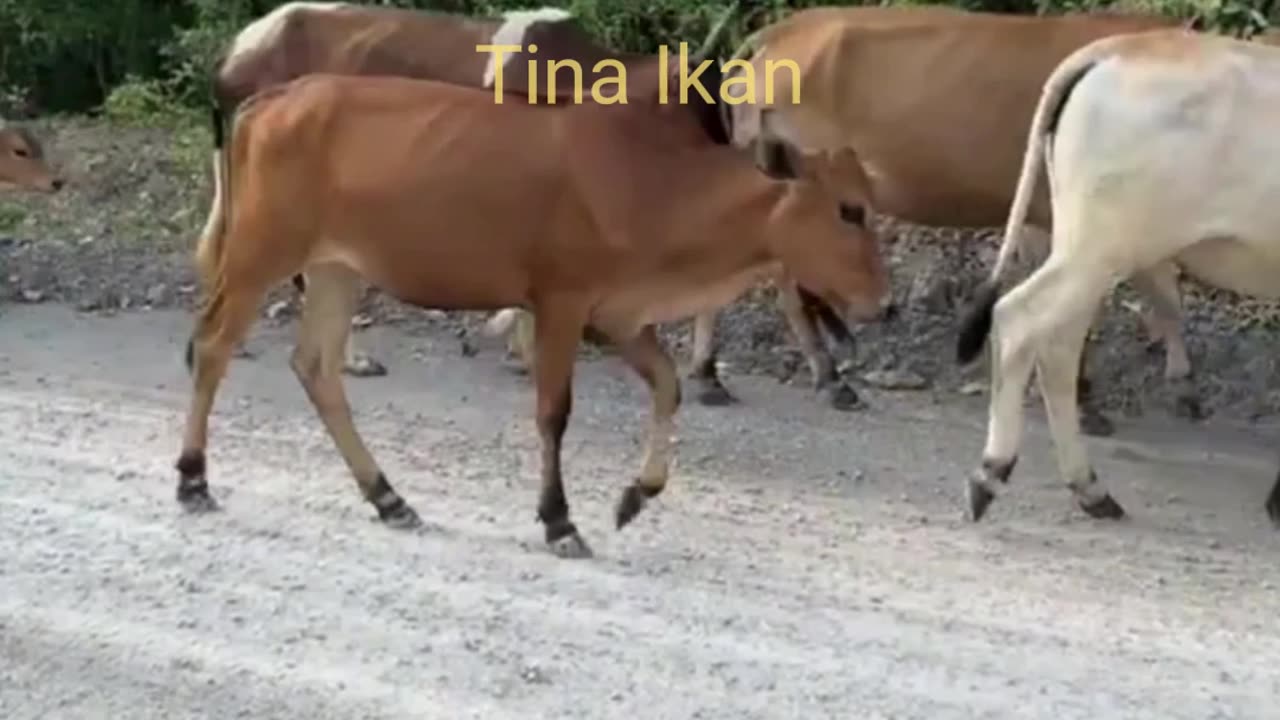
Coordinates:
column 713, row 394
column 980, row 499
column 1105, row 509
column 1188, row 407
column 633, row 500
column 1096, row 424
column 843, row 398
column 570, row 545
column 364, row 366
column 400, row 517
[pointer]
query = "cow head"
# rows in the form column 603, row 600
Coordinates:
column 822, row 231
column 22, row 162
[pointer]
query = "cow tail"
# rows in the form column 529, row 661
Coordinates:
column 976, row 324
column 209, row 249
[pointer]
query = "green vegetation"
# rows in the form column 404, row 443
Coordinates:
column 147, row 61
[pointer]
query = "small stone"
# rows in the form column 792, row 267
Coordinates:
column 895, row 380
column 975, row 387
column 33, row 296
column 157, row 294
column 277, row 309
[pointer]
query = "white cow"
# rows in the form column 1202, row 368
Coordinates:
column 1159, row 145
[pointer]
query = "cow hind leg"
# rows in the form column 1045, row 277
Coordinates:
column 801, row 318
column 1056, row 368
column 556, row 336
column 708, row 388
column 317, row 361
column 1159, row 287
column 221, row 326
column 651, row 362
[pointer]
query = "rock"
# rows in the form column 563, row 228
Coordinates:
column 974, row 387
column 361, row 320
column 158, row 294
column 277, row 309
column 32, row 296
column 895, row 380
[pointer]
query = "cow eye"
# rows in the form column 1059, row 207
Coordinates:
column 853, row 214
column 21, row 152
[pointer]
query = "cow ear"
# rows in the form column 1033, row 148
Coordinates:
column 777, row 159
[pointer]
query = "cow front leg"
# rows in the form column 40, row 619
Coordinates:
column 801, row 318
column 645, row 354
column 703, row 373
column 556, row 336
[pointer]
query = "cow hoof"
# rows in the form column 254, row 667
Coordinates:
column 198, row 502
column 402, row 517
column 1096, row 424
column 570, row 547
column 843, row 398
column 980, row 498
column 1105, row 509
column 364, row 366
column 629, row 505
column 713, row 394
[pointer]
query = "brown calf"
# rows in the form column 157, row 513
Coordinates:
column 22, row 162
column 937, row 101
column 347, row 39
column 617, row 217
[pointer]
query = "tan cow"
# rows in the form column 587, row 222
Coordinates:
column 936, row 100
column 615, row 217
column 1159, row 147
column 22, row 162
column 349, row 39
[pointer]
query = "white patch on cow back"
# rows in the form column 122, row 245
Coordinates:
column 266, row 29
column 515, row 23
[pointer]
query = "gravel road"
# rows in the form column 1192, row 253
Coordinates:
column 804, row 563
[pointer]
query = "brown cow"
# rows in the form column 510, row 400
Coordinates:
column 22, row 162
column 616, row 217
column 341, row 38
column 937, row 101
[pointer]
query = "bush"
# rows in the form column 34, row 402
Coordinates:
column 129, row 58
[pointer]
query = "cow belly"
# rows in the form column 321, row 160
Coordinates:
column 1232, row 264
column 441, row 275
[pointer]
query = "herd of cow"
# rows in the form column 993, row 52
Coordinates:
column 361, row 143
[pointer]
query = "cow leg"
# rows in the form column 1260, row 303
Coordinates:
column 651, row 362
column 822, row 367
column 331, row 300
column 710, row 391
column 1273, row 504
column 1045, row 310
column 221, row 327
column 1092, row 420
column 358, row 363
column 1159, row 287
column 556, row 336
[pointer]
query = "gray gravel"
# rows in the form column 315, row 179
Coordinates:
column 804, row 563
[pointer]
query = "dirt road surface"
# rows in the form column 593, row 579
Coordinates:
column 803, row 564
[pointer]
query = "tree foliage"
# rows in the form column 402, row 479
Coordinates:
column 72, row 55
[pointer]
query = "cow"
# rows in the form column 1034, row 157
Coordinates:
column 936, row 100
column 342, row 38
column 1157, row 147
column 616, row 217
column 23, row 165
